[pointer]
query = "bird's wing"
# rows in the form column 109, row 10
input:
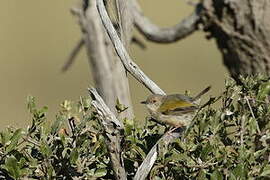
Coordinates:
column 177, row 105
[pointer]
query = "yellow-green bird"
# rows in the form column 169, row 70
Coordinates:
column 176, row 110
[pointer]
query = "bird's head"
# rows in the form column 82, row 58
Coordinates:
column 153, row 102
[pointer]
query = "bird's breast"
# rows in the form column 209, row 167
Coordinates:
column 176, row 121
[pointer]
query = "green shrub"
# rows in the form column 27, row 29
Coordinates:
column 231, row 142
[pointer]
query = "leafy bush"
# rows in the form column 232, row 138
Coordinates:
column 230, row 142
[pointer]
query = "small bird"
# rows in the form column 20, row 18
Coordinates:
column 176, row 110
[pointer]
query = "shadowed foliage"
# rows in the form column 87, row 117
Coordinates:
column 232, row 141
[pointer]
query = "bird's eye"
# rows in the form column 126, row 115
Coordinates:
column 154, row 101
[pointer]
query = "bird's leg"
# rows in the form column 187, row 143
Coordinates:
column 171, row 130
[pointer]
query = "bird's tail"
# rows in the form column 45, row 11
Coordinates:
column 202, row 93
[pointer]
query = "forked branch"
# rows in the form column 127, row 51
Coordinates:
column 128, row 63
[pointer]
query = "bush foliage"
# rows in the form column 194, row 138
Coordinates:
column 230, row 142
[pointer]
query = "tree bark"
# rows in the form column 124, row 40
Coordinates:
column 113, row 130
column 108, row 72
column 242, row 32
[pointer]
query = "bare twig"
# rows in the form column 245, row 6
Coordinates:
column 113, row 128
column 128, row 63
column 165, row 35
column 151, row 157
column 251, row 111
column 138, row 42
column 242, row 131
column 202, row 166
column 73, row 54
column 32, row 141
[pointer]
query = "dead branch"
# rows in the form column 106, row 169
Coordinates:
column 151, row 157
column 133, row 69
column 73, row 54
column 128, row 63
column 108, row 73
column 165, row 35
column 138, row 42
column 113, row 128
column 126, row 21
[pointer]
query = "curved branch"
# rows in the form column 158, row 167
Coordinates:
column 165, row 35
column 128, row 63
column 151, row 157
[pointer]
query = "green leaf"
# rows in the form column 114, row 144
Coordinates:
column 240, row 171
column 11, row 165
column 45, row 149
column 100, row 172
column 14, row 140
column 74, row 155
column 201, row 175
column 206, row 150
column 120, row 107
column 266, row 171
column 216, row 175
column 31, row 104
column 5, row 136
column 264, row 91
column 57, row 124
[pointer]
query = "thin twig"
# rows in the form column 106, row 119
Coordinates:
column 32, row 141
column 138, row 42
column 128, row 63
column 205, row 165
column 242, row 131
column 251, row 111
column 73, row 54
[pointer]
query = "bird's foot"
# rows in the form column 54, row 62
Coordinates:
column 177, row 129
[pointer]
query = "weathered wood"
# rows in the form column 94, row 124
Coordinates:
column 73, row 54
column 152, row 155
column 165, row 35
column 113, row 128
column 126, row 60
column 242, row 32
column 108, row 73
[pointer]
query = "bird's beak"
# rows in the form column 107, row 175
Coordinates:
column 143, row 102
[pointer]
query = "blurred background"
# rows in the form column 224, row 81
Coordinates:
column 36, row 37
